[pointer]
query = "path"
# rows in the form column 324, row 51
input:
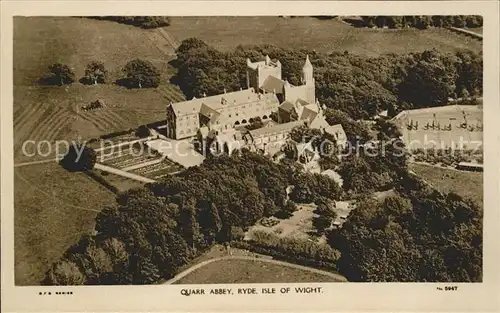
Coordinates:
column 34, row 162
column 338, row 277
column 467, row 32
column 438, row 166
column 116, row 171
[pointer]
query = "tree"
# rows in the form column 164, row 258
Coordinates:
column 470, row 74
column 287, row 210
column 189, row 44
column 141, row 74
column 116, row 250
column 95, row 73
column 59, row 74
column 255, row 123
column 147, row 272
column 431, row 81
column 321, row 223
column 79, row 158
column 65, row 273
column 387, row 130
column 210, row 221
column 355, row 131
column 189, row 226
column 143, row 131
column 139, row 21
column 99, row 262
column 418, row 234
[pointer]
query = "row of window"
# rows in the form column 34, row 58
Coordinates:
column 270, row 138
column 187, row 117
column 188, row 131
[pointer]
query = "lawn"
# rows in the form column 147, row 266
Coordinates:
column 466, row 184
column 41, row 41
column 53, row 209
column 250, row 271
column 116, row 182
column 225, row 33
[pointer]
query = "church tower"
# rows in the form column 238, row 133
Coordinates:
column 307, row 73
column 308, row 81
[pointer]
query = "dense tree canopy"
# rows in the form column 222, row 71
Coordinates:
column 373, row 167
column 423, row 21
column 141, row 74
column 151, row 232
column 357, row 85
column 139, row 21
column 415, row 235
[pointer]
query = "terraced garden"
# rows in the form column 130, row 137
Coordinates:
column 137, row 160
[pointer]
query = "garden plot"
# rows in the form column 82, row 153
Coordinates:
column 299, row 225
column 161, row 169
column 134, row 160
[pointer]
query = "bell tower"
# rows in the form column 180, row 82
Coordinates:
column 307, row 73
column 308, row 81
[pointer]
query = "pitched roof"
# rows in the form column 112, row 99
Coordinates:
column 336, row 130
column 220, row 101
column 273, row 84
column 280, row 128
column 304, row 147
column 287, row 106
column 308, row 114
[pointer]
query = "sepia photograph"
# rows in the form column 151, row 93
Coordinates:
column 263, row 149
column 219, row 156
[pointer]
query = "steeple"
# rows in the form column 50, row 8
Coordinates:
column 307, row 72
column 307, row 64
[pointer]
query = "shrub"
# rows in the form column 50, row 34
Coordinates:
column 59, row 74
column 143, row 131
column 65, row 273
column 79, row 158
column 300, row 251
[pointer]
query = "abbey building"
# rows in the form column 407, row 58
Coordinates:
column 227, row 114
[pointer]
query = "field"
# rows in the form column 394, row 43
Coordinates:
column 478, row 30
column 53, row 208
column 250, row 271
column 51, row 113
column 225, row 33
column 466, row 184
column 447, row 131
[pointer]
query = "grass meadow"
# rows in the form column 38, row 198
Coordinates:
column 466, row 184
column 250, row 271
column 53, row 209
column 225, row 33
column 53, row 112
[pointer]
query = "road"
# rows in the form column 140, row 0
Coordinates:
column 337, row 277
